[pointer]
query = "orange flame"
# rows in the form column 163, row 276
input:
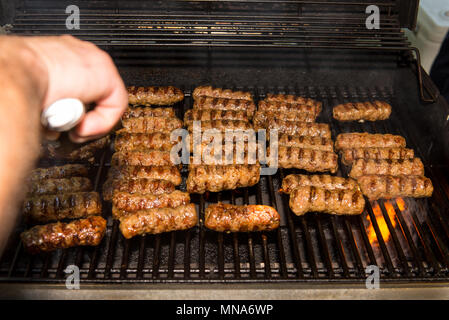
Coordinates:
column 383, row 227
column 401, row 204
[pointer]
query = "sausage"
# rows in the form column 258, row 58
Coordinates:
column 128, row 202
column 125, row 141
column 369, row 111
column 261, row 117
column 296, row 128
column 148, row 96
column 88, row 151
column 388, row 187
column 316, row 143
column 63, row 185
column 49, row 237
column 367, row 140
column 168, row 173
column 151, row 124
column 293, row 181
column 348, row 156
column 144, row 157
column 313, row 199
column 61, row 206
column 207, row 103
column 204, row 178
column 57, row 172
column 362, row 167
column 158, row 220
column 222, row 125
column 209, row 91
column 289, row 98
column 307, row 159
column 278, row 106
column 233, row 157
column 248, row 218
column 143, row 186
column 148, row 112
column 213, row 114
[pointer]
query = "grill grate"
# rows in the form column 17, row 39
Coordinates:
column 407, row 245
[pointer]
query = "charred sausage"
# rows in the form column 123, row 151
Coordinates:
column 148, row 96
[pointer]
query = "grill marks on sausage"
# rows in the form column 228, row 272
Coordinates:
column 387, row 187
column 307, row 159
column 362, row 167
column 369, row 111
column 62, row 185
column 224, row 104
column 280, row 106
column 209, row 91
column 261, row 117
column 213, row 114
column 158, row 220
column 306, row 142
column 308, row 198
column 144, row 157
column 49, row 237
column 61, row 206
column 328, row 182
column 222, row 125
column 392, row 153
column 151, row 124
column 217, row 178
column 292, row 99
column 356, row 140
column 247, row 218
column 298, row 128
column 135, row 141
column 148, row 112
column 58, row 172
column 148, row 96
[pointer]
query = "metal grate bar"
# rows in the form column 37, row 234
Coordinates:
column 47, row 260
column 354, row 247
column 141, row 258
column 292, row 231
column 341, row 252
column 368, row 247
column 188, row 235
column 156, row 255
column 201, row 242
column 396, row 243
column 60, row 269
column 111, row 249
column 280, row 246
column 125, row 259
column 324, row 248
column 171, row 255
column 410, row 242
column 380, row 239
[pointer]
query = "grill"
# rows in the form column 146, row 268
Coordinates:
column 318, row 49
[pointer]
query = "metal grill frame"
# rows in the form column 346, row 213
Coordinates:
column 303, row 250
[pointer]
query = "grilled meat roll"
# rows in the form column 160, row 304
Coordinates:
column 295, row 128
column 58, row 186
column 168, row 173
column 89, row 150
column 158, row 220
column 148, row 112
column 289, row 98
column 143, row 186
column 58, row 172
column 377, row 110
column 307, row 159
column 204, row 178
column 222, row 125
column 151, row 124
column 306, row 142
column 160, row 96
column 135, row 141
column 61, row 206
column 313, row 199
column 362, row 167
column 209, row 91
column 144, row 157
column 279, row 106
column 261, row 117
column 208, row 103
column 293, row 181
column 213, row 114
column 233, row 218
column 356, row 140
column 348, row 156
column 388, row 187
column 124, row 202
column 49, row 237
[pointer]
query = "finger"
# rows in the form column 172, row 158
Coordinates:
column 77, row 139
column 50, row 135
column 105, row 115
